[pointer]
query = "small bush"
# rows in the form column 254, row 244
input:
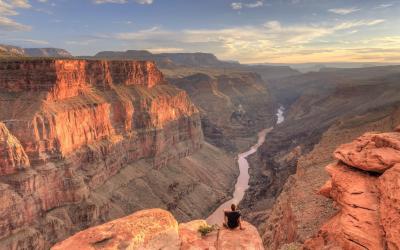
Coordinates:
column 206, row 229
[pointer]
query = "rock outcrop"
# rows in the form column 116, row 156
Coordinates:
column 83, row 142
column 157, row 229
column 323, row 111
column 299, row 211
column 369, row 210
column 61, row 79
column 372, row 152
column 12, row 155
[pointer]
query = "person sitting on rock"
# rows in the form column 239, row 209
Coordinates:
column 232, row 218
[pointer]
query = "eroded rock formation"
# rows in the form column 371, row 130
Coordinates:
column 233, row 106
column 83, row 142
column 157, row 229
column 299, row 211
column 368, row 216
column 12, row 155
column 62, row 79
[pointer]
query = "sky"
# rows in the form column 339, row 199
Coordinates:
column 249, row 31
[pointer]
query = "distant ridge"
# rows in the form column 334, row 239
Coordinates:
column 13, row 51
column 168, row 59
column 47, row 52
column 197, row 60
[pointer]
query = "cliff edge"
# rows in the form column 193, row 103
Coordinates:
column 83, row 142
column 158, row 229
column 365, row 185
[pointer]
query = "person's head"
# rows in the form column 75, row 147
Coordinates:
column 233, row 207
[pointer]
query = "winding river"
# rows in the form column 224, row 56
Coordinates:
column 242, row 183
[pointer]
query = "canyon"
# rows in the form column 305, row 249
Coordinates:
column 323, row 111
column 88, row 141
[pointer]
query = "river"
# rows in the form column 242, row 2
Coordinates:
column 242, row 183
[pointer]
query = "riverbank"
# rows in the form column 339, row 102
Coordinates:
column 242, row 183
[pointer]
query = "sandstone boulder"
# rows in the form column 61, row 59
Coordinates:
column 158, row 229
column 371, row 152
column 148, row 229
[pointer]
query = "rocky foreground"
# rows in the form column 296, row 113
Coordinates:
column 158, row 229
column 365, row 184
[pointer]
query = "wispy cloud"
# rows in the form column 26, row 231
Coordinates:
column 20, row 4
column 29, row 41
column 344, row 11
column 273, row 40
column 123, row 1
column 9, row 8
column 240, row 5
column 384, row 6
column 109, row 1
column 165, row 50
column 8, row 24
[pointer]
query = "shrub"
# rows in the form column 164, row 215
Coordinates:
column 206, row 229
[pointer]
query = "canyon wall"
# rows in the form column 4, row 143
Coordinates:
column 83, row 142
column 158, row 229
column 299, row 208
column 323, row 111
column 234, row 106
column 62, row 79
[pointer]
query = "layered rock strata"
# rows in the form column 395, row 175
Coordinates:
column 299, row 211
column 157, row 229
column 233, row 107
column 365, row 186
column 62, row 79
column 83, row 142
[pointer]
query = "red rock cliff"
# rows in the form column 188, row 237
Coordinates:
column 68, row 127
column 365, row 185
column 62, row 79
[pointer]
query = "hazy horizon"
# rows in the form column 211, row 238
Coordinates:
column 249, row 31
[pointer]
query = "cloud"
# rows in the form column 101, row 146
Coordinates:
column 7, row 24
column 240, row 5
column 144, row 1
column 271, row 41
column 123, row 1
column 358, row 23
column 109, row 1
column 236, row 6
column 344, row 11
column 30, row 41
column 20, row 4
column 165, row 50
column 9, row 8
